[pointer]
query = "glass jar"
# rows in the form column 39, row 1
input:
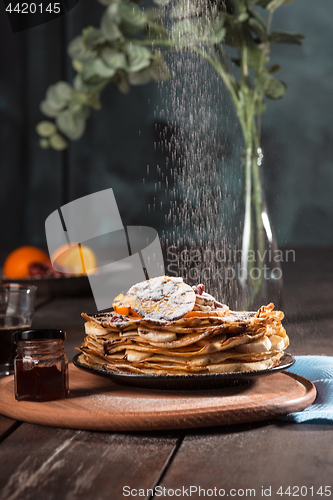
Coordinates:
column 41, row 365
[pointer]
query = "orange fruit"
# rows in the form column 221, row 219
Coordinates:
column 76, row 259
column 17, row 263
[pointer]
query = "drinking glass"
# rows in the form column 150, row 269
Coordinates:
column 16, row 312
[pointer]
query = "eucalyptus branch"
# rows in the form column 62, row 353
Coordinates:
column 128, row 49
column 220, row 56
column 221, row 71
column 269, row 20
column 258, row 93
column 245, row 68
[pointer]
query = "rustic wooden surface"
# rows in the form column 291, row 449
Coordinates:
column 251, row 456
column 49, row 463
column 97, row 403
column 52, row 463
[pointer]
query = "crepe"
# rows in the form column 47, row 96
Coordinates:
column 163, row 326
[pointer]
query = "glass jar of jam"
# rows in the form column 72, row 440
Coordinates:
column 41, row 365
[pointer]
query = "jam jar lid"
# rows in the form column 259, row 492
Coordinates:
column 39, row 334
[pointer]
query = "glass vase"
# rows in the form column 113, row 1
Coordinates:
column 259, row 273
column 232, row 251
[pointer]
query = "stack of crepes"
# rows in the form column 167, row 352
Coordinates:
column 164, row 326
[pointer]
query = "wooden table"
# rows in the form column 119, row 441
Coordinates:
column 49, row 463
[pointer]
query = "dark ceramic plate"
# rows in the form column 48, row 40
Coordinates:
column 187, row 382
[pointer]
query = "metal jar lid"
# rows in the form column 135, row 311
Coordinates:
column 39, row 334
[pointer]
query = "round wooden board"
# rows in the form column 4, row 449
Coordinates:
column 96, row 403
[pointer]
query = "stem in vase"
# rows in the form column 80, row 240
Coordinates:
column 247, row 240
column 258, row 211
column 253, row 240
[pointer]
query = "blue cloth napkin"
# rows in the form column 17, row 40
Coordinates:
column 318, row 369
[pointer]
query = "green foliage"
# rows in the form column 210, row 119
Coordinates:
column 129, row 46
column 285, row 37
column 46, row 129
column 70, row 124
column 57, row 142
column 138, row 57
column 270, row 86
column 162, row 2
column 274, row 4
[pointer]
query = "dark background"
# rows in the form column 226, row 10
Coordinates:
column 119, row 142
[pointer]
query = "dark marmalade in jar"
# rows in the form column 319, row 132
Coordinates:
column 41, row 365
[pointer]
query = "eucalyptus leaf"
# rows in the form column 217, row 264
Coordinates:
column 274, row 4
column 58, row 95
column 113, row 12
column 132, row 17
column 82, row 110
column 63, row 90
column 92, row 37
column 140, row 77
column 162, row 2
column 97, row 68
column 70, row 125
column 258, row 26
column 120, row 79
column 234, row 36
column 123, row 86
column 158, row 69
column 275, row 68
column 270, row 86
column 185, row 32
column 44, row 143
column 255, row 58
column 286, row 37
column 217, row 36
column 93, row 101
column 215, row 30
column 139, row 57
column 79, row 97
column 114, row 58
column 57, row 142
column 276, row 89
column 78, row 83
column 48, row 110
column 254, row 14
column 78, row 50
column 155, row 32
column 93, row 85
column 241, row 5
column 46, row 129
column 81, row 101
column 154, row 13
column 110, row 29
column 183, row 10
column 242, row 17
column 77, row 65
column 109, row 23
column 76, row 109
